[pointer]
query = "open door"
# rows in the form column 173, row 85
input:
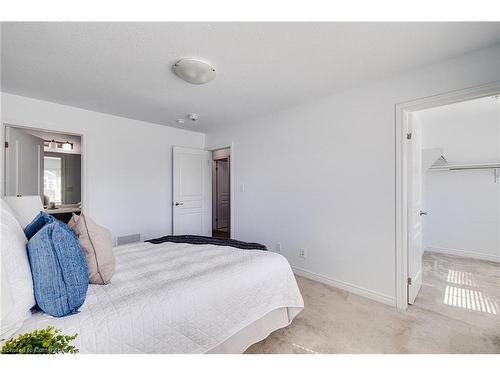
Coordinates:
column 24, row 163
column 192, row 192
column 222, row 193
column 415, row 244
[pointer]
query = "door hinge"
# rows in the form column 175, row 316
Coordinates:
column 408, row 136
column 6, row 144
column 409, row 281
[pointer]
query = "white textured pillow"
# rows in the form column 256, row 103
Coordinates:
column 25, row 208
column 17, row 297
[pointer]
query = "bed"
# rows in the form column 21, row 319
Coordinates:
column 181, row 298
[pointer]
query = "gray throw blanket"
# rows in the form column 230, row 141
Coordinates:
column 202, row 240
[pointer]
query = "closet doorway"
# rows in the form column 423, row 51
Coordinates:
column 448, row 206
column 221, row 193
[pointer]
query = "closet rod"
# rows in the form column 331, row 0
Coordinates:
column 459, row 167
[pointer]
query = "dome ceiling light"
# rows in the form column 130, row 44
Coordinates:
column 194, row 71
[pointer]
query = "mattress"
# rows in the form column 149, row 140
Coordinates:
column 180, row 298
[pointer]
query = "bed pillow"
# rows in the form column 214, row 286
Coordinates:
column 72, row 222
column 59, row 269
column 38, row 223
column 97, row 246
column 16, row 283
column 25, row 207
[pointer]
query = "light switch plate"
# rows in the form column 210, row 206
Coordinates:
column 302, row 253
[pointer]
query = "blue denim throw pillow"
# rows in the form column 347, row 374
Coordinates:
column 59, row 269
column 38, row 223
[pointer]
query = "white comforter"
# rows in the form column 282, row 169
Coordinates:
column 178, row 298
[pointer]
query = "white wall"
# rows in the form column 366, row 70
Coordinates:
column 463, row 206
column 322, row 175
column 127, row 163
column 468, row 132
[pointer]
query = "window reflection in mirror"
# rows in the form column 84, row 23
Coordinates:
column 52, row 182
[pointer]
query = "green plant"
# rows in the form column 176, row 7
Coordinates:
column 42, row 341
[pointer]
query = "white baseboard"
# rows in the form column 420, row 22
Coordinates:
column 388, row 300
column 463, row 253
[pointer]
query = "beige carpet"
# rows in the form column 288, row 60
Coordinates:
column 456, row 311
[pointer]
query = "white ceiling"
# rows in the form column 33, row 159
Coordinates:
column 125, row 68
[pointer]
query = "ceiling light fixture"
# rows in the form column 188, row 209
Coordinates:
column 66, row 146
column 53, row 144
column 194, row 71
column 180, row 121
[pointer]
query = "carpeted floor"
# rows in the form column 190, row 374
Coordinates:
column 456, row 311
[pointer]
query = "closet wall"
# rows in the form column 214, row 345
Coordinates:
column 463, row 206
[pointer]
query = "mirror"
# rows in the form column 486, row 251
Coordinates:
column 47, row 164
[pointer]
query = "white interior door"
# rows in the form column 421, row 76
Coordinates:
column 24, row 163
column 192, row 191
column 415, row 247
column 222, row 173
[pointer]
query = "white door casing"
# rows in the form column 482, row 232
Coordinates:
column 222, row 184
column 415, row 246
column 402, row 150
column 24, row 163
column 192, row 190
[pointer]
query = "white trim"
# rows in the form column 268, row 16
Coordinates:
column 232, row 229
column 402, row 111
column 363, row 292
column 16, row 171
column 5, row 157
column 463, row 253
column 40, row 157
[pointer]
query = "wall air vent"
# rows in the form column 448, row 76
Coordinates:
column 129, row 238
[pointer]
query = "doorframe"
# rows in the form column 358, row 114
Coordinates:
column 230, row 146
column 402, row 113
column 47, row 128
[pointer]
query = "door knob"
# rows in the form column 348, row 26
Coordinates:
column 179, row 203
column 423, row 213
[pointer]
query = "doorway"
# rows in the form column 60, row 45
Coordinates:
column 221, row 193
column 202, row 193
column 432, row 209
column 47, row 164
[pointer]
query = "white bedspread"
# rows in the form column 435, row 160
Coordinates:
column 178, row 298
